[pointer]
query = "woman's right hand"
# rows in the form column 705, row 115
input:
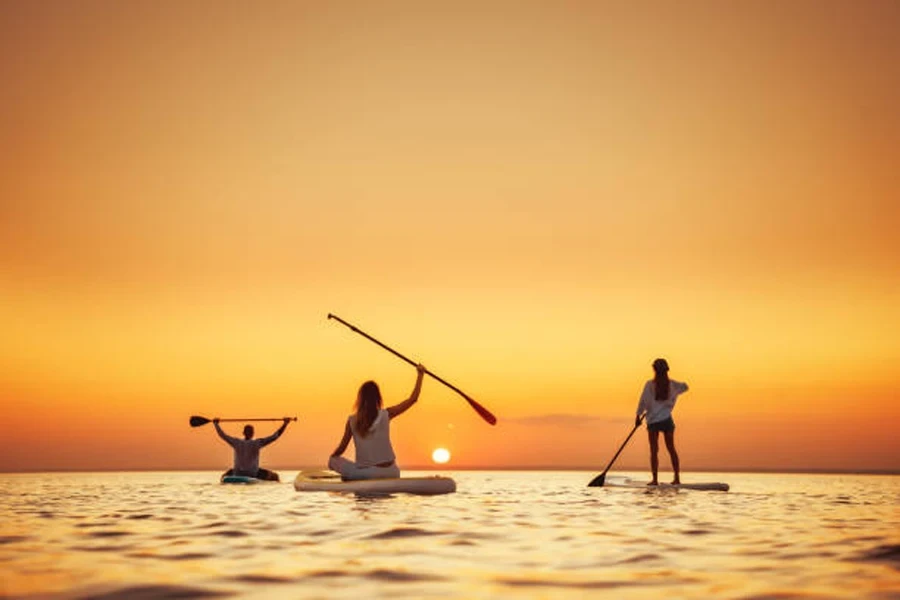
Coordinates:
column 420, row 369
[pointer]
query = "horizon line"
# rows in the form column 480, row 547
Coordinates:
column 774, row 471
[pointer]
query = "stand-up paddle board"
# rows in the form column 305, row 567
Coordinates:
column 426, row 486
column 637, row 484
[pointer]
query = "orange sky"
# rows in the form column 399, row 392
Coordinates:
column 534, row 199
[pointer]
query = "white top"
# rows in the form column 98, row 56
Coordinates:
column 659, row 410
column 375, row 448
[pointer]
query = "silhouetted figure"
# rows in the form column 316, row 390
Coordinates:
column 370, row 428
column 246, row 452
column 657, row 401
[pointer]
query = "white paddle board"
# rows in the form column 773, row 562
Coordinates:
column 426, row 486
column 637, row 484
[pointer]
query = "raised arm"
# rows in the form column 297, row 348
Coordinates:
column 399, row 409
column 268, row 440
column 344, row 441
column 228, row 439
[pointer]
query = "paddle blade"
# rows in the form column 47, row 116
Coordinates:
column 598, row 481
column 198, row 421
column 482, row 411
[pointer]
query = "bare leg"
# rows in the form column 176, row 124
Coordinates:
column 654, row 455
column 350, row 471
column 670, row 446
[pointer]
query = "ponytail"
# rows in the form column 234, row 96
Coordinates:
column 661, row 380
column 368, row 403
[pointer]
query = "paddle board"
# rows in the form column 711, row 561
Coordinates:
column 239, row 479
column 637, row 484
column 426, row 486
column 246, row 480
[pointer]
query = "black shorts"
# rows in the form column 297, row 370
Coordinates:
column 666, row 426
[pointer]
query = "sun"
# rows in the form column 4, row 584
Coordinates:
column 440, row 455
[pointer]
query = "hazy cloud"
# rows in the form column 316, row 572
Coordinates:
column 567, row 420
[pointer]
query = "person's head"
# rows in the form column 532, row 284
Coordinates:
column 248, row 432
column 660, row 366
column 661, row 369
column 368, row 403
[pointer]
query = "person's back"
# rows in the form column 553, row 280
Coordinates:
column 374, row 446
column 246, row 451
column 659, row 410
column 370, row 429
column 246, row 456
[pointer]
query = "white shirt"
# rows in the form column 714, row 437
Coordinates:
column 375, row 448
column 659, row 410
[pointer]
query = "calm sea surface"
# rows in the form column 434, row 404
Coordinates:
column 503, row 534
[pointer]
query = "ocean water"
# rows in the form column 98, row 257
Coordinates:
column 502, row 535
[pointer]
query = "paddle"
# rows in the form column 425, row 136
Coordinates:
column 482, row 411
column 198, row 421
column 601, row 478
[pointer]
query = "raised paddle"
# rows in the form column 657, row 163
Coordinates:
column 482, row 411
column 601, row 478
column 198, row 421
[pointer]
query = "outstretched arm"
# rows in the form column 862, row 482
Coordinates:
column 228, row 439
column 268, row 440
column 344, row 441
column 399, row 409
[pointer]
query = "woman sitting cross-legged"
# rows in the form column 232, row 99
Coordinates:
column 370, row 428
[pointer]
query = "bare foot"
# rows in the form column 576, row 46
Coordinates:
column 676, row 481
column 654, row 482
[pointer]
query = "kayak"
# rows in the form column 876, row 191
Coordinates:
column 637, row 484
column 425, row 486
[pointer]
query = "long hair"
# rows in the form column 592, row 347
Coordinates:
column 368, row 403
column 661, row 368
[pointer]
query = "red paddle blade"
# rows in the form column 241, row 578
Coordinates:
column 482, row 411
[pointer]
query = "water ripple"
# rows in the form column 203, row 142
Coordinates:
column 402, row 532
column 257, row 579
column 582, row 585
column 154, row 592
column 503, row 534
column 400, row 576
column 12, row 539
column 889, row 553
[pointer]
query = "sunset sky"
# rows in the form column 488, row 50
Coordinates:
column 533, row 199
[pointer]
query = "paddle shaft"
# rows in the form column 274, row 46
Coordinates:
column 599, row 479
column 485, row 414
column 198, row 421
column 236, row 420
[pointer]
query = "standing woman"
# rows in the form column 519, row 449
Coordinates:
column 370, row 428
column 657, row 402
